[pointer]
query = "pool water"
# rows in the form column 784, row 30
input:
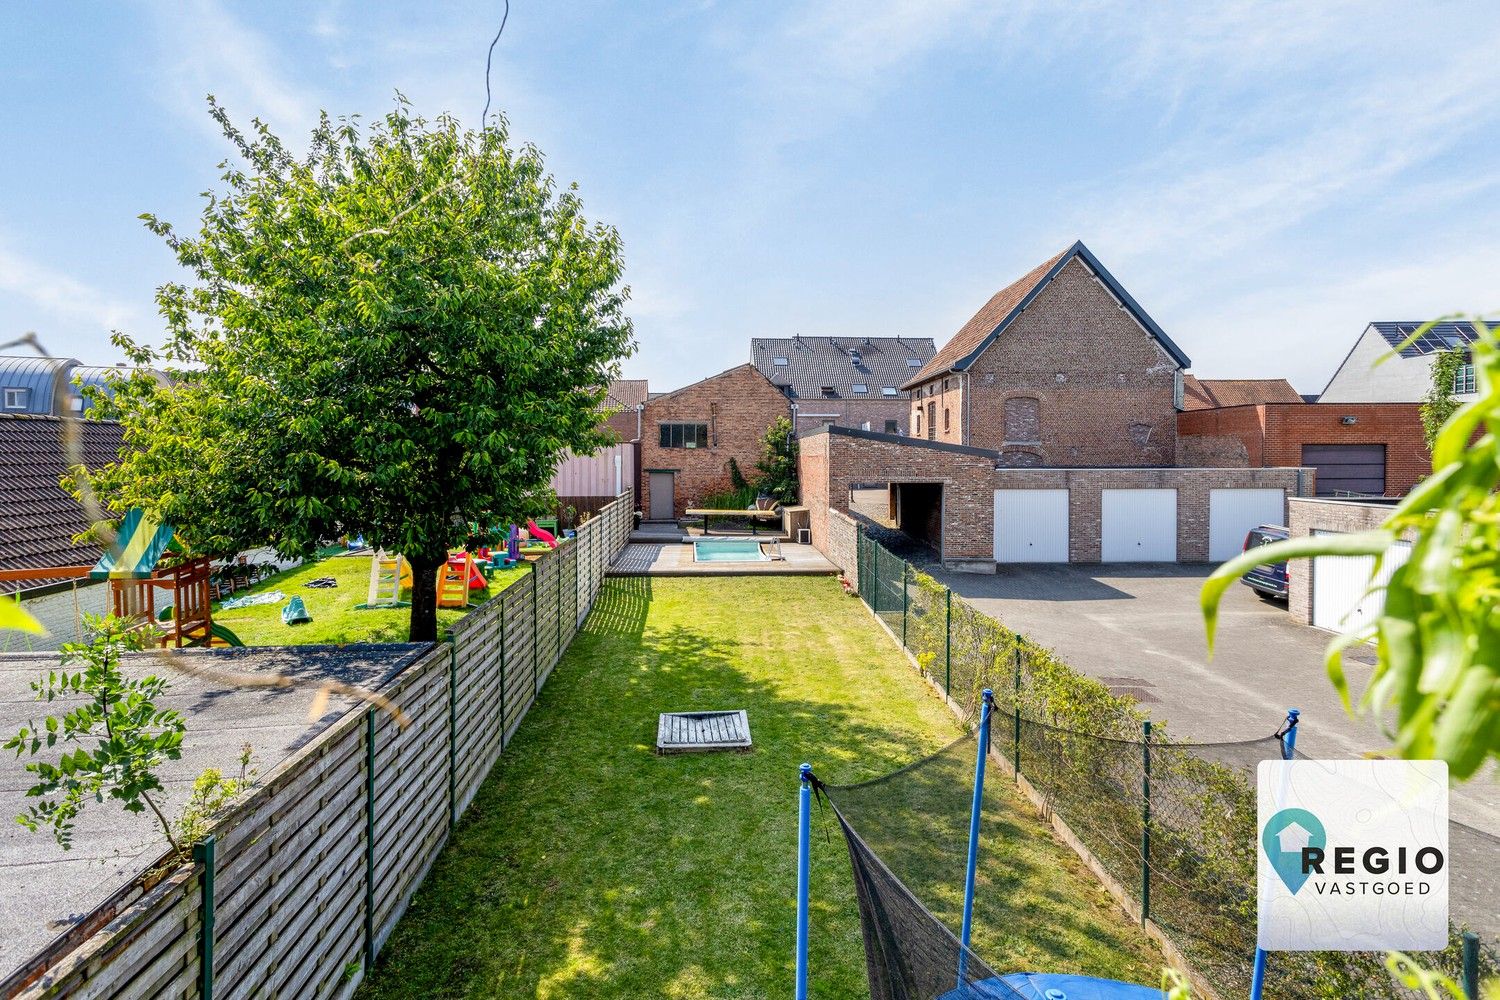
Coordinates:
column 728, row 550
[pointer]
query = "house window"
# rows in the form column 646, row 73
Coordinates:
column 945, row 385
column 684, row 435
column 891, row 427
column 914, row 362
column 779, row 362
column 945, row 418
column 919, row 421
column 828, row 391
column 888, row 390
column 16, row 399
column 1463, row 380
column 861, row 387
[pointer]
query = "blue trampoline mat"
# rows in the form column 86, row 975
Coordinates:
column 1035, row 986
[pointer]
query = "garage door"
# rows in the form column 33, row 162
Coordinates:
column 1138, row 526
column 1031, row 526
column 1345, row 469
column 1340, row 584
column 1232, row 513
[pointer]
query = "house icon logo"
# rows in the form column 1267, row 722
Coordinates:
column 1284, row 838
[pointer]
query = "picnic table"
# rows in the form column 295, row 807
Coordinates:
column 754, row 516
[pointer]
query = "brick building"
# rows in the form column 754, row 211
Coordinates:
column 1209, row 393
column 1357, row 448
column 1062, row 367
column 689, row 436
column 848, row 381
column 976, row 513
column 622, row 400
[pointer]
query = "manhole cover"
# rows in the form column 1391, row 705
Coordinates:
column 683, row 732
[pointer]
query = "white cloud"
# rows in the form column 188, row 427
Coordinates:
column 60, row 296
column 207, row 50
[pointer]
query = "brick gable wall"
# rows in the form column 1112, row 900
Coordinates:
column 1094, row 386
column 737, row 405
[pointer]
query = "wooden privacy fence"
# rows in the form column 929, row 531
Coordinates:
column 299, row 887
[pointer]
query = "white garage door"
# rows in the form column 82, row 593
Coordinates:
column 1340, row 585
column 1138, row 526
column 1232, row 513
column 1031, row 526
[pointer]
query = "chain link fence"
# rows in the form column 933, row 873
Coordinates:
column 1171, row 823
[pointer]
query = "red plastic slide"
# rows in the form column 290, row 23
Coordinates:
column 541, row 535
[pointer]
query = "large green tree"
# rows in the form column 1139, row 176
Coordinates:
column 393, row 335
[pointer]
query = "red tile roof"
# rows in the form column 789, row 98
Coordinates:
column 1208, row 394
column 38, row 519
column 625, row 393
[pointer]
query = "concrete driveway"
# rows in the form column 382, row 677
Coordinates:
column 1137, row 627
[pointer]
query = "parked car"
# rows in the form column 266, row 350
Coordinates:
column 1267, row 579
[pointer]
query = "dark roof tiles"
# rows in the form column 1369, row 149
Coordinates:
column 842, row 364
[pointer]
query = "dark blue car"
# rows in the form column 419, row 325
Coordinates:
column 1267, row 579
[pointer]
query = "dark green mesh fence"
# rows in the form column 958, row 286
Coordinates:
column 1172, row 823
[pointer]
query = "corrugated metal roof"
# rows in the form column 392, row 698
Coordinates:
column 38, row 519
column 1442, row 336
column 842, row 364
column 37, row 377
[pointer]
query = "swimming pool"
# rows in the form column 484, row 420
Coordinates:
column 728, row 550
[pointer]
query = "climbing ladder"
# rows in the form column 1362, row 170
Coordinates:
column 386, row 574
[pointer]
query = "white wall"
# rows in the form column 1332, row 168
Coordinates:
column 1360, row 380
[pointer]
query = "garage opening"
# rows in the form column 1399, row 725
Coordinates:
column 1347, row 470
column 919, row 513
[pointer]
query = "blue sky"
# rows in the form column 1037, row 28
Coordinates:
column 1264, row 178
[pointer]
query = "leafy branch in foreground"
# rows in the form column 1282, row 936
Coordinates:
column 1438, row 637
column 120, row 734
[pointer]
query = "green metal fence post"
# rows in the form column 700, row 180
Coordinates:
column 1015, row 702
column 1145, row 822
column 535, row 625
column 452, row 733
column 205, row 853
column 905, row 601
column 875, row 576
column 369, row 841
column 1471, row 965
column 947, row 642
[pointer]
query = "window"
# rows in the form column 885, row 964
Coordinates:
column 779, row 362
column 945, row 385
column 828, row 391
column 891, row 427
column 684, row 435
column 1463, row 380
column 914, row 362
column 861, row 387
column 888, row 390
column 16, row 399
column 945, row 418
column 919, row 421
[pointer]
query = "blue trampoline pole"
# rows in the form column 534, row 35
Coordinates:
column 1288, row 746
column 979, row 760
column 804, row 867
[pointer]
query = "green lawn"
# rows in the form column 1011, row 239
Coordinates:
column 590, row 866
column 334, row 616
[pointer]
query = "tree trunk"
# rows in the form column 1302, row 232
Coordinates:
column 424, row 598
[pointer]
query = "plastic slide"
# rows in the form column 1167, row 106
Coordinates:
column 541, row 535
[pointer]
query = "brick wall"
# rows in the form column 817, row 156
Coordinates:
column 1322, row 514
column 943, row 399
column 832, row 460
column 1100, row 386
column 841, row 545
column 623, row 424
column 814, row 413
column 737, row 405
column 1272, row 434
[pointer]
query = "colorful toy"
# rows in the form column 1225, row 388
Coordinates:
column 542, row 536
column 454, row 578
column 388, row 574
column 513, row 544
column 295, row 612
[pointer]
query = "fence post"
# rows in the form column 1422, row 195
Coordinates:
column 1471, row 965
column 947, row 642
column 1288, row 737
column 905, row 600
column 1015, row 702
column 452, row 732
column 975, row 811
column 875, row 576
column 503, row 617
column 1146, row 822
column 536, row 630
column 556, row 555
column 804, row 870
column 369, row 841
column 205, row 852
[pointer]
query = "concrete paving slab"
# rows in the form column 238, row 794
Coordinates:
column 44, row 890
